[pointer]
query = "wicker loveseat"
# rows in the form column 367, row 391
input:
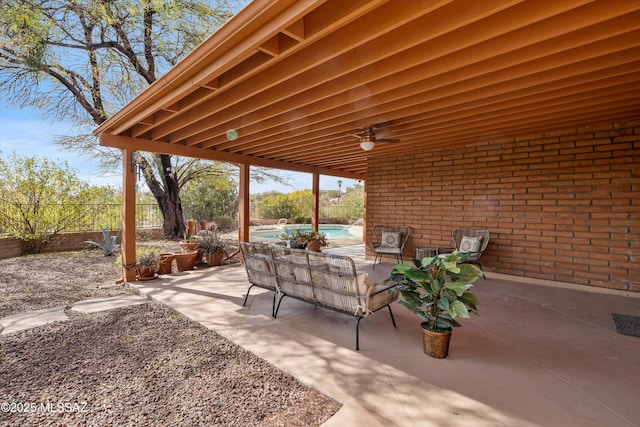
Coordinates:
column 325, row 280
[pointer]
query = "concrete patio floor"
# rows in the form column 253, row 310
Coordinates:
column 537, row 355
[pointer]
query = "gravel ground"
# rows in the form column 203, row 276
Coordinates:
column 139, row 365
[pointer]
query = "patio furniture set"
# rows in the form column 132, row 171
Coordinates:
column 332, row 281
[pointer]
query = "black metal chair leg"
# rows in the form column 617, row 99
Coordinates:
column 376, row 260
column 275, row 314
column 477, row 263
column 391, row 314
column 247, row 295
column 358, row 333
column 273, row 305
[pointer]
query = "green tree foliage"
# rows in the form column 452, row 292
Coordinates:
column 297, row 204
column 292, row 205
column 353, row 199
column 301, row 200
column 275, row 205
column 39, row 199
column 211, row 197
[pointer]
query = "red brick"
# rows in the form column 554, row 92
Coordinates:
column 550, row 200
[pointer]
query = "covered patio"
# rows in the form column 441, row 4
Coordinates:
column 517, row 117
column 538, row 354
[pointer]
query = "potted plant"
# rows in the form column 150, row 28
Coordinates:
column 297, row 239
column 315, row 240
column 185, row 260
column 166, row 261
column 147, row 263
column 436, row 290
column 212, row 247
column 189, row 243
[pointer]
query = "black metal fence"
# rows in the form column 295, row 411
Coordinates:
column 109, row 217
column 96, row 217
column 148, row 215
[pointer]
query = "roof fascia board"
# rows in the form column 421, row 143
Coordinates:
column 138, row 144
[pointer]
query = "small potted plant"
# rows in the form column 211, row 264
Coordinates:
column 212, row 247
column 436, row 290
column 315, row 240
column 185, row 260
column 147, row 263
column 189, row 243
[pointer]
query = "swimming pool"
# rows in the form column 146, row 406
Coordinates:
column 331, row 230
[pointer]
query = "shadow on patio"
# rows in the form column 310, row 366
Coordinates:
column 536, row 355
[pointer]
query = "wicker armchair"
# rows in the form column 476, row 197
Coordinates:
column 389, row 241
column 473, row 241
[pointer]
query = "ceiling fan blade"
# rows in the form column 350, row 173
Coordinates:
column 387, row 140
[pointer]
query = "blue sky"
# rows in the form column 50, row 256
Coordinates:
column 27, row 134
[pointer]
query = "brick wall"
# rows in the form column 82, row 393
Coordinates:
column 10, row 247
column 561, row 206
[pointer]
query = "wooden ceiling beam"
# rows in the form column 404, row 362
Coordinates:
column 414, row 104
column 309, row 68
column 296, row 63
column 428, row 69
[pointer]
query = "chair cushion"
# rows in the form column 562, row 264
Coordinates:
column 470, row 244
column 390, row 239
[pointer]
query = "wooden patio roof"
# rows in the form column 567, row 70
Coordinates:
column 283, row 83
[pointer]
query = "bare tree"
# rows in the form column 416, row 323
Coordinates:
column 82, row 60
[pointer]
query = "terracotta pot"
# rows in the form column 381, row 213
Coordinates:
column 189, row 246
column 314, row 246
column 166, row 260
column 146, row 272
column 186, row 260
column 435, row 343
column 191, row 227
column 214, row 259
column 203, row 225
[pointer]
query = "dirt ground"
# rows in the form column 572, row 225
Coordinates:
column 139, row 365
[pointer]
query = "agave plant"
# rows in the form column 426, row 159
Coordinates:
column 211, row 243
column 436, row 289
column 108, row 244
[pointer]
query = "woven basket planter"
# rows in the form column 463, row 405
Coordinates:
column 435, row 343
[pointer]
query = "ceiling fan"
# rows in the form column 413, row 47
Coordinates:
column 368, row 139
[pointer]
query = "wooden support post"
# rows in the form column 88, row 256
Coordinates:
column 315, row 202
column 243, row 203
column 128, row 243
column 364, row 217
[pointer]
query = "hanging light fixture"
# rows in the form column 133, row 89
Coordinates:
column 367, row 145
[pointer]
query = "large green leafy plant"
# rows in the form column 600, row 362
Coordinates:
column 437, row 290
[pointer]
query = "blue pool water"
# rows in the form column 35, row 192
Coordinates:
column 332, row 231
